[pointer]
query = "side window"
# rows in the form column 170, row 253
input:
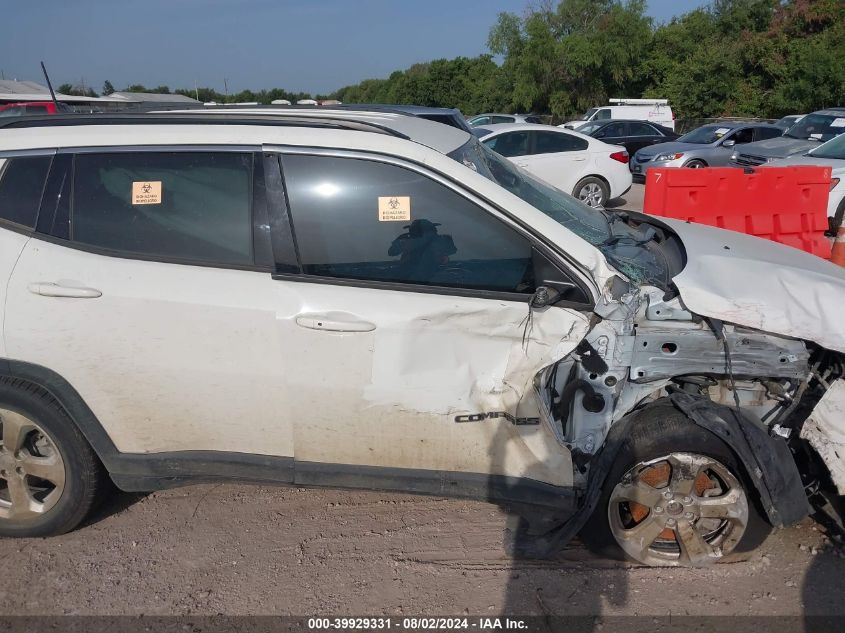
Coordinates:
column 509, row 144
column 30, row 109
column 360, row 219
column 16, row 111
column 533, row 119
column 763, row 133
column 192, row 206
column 743, row 136
column 641, row 129
column 502, row 119
column 21, row 187
column 602, row 114
column 552, row 142
column 613, row 130
column 484, row 120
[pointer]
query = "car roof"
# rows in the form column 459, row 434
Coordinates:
column 440, row 137
column 497, row 128
column 837, row 111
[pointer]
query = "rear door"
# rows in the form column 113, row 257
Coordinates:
column 149, row 290
column 407, row 312
column 22, row 181
column 641, row 135
column 559, row 158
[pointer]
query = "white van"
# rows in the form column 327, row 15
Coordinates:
column 654, row 110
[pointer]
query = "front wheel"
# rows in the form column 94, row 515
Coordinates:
column 676, row 496
column 592, row 191
column 695, row 164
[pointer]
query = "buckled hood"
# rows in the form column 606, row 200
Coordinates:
column 761, row 284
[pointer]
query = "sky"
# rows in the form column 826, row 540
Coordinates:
column 313, row 46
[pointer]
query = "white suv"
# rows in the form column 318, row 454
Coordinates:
column 374, row 300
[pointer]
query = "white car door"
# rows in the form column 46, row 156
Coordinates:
column 410, row 325
column 153, row 297
column 559, row 158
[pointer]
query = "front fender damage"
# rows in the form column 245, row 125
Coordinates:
column 767, row 459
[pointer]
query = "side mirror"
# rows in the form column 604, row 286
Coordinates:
column 729, row 143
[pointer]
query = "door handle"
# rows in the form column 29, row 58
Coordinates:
column 334, row 322
column 579, row 159
column 48, row 289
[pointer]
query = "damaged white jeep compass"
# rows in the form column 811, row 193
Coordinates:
column 367, row 299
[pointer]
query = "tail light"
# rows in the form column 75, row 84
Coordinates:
column 622, row 156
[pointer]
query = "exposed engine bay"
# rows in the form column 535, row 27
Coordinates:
column 645, row 345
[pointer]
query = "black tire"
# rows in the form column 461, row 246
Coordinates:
column 84, row 474
column 660, row 430
column 584, row 183
column 695, row 163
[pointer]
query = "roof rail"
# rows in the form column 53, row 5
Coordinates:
column 198, row 118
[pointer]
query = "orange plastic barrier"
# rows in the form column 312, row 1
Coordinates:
column 782, row 204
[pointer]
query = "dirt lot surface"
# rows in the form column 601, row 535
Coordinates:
column 237, row 549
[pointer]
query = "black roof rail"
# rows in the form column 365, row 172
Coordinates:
column 194, row 118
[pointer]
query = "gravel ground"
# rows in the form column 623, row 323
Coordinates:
column 237, row 549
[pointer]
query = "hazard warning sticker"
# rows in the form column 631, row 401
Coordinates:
column 146, row 192
column 394, row 208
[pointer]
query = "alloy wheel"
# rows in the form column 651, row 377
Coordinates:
column 679, row 509
column 32, row 471
column 591, row 195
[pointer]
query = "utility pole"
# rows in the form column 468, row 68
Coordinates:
column 226, row 86
column 196, row 90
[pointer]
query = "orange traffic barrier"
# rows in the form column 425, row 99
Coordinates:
column 783, row 204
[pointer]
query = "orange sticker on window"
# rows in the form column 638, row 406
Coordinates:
column 146, row 192
column 394, row 208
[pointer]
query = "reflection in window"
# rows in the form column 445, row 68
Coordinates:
column 432, row 236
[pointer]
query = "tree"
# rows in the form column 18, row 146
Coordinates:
column 108, row 88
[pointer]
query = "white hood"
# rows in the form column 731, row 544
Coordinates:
column 760, row 284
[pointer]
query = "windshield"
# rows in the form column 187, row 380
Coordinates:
column 586, row 116
column 633, row 252
column 705, row 135
column 832, row 149
column 589, row 128
column 817, row 127
column 787, row 121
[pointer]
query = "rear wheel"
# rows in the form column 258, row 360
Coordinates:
column 49, row 476
column 676, row 496
column 592, row 191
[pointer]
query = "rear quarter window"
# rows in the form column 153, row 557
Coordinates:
column 21, row 187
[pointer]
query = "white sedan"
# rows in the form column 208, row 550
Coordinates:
column 830, row 154
column 589, row 169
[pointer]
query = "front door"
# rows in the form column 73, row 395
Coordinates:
column 410, row 327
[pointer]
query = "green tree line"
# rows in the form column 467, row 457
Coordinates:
column 730, row 58
column 762, row 58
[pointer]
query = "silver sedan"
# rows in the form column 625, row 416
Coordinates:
column 708, row 146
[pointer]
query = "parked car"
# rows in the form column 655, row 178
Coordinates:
column 788, row 121
column 830, row 154
column 591, row 170
column 654, row 110
column 633, row 135
column 707, row 146
column 808, row 133
column 29, row 108
column 494, row 118
column 375, row 300
column 447, row 116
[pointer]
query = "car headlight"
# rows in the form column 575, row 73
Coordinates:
column 675, row 156
column 833, row 183
column 734, row 156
